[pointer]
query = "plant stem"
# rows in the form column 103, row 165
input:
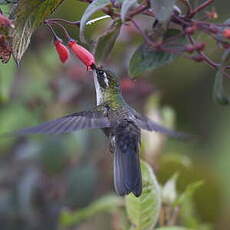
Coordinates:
column 138, row 10
column 64, row 29
column 200, row 7
column 187, row 4
column 52, row 31
column 146, row 38
column 52, row 20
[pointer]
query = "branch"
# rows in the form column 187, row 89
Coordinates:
column 138, row 10
column 200, row 7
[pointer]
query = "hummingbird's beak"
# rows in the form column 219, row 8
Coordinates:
column 93, row 67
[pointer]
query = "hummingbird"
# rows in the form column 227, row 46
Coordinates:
column 120, row 122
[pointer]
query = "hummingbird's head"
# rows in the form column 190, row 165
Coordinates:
column 106, row 84
column 107, row 80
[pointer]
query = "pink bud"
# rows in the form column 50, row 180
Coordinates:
column 226, row 33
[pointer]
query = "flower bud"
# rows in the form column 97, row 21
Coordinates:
column 190, row 29
column 226, row 33
column 213, row 29
column 83, row 54
column 62, row 50
column 200, row 46
column 197, row 58
column 189, row 48
column 212, row 14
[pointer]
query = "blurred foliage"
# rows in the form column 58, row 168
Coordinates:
column 60, row 182
column 28, row 16
column 108, row 203
column 144, row 211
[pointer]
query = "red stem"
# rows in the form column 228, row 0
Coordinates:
column 64, row 29
column 200, row 7
column 146, row 38
column 138, row 10
column 52, row 31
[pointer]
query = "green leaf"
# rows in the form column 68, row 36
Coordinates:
column 170, row 33
column 143, row 211
column 104, row 204
column 162, row 9
column 6, row 79
column 90, row 10
column 172, row 228
column 13, row 117
column 218, row 89
column 126, row 6
column 121, row 1
column 106, row 42
column 8, row 1
column 188, row 193
column 169, row 193
column 28, row 16
column 146, row 58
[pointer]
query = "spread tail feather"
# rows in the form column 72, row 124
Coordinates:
column 127, row 172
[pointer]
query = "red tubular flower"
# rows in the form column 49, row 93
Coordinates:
column 62, row 50
column 83, row 54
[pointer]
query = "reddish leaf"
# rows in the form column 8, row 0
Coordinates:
column 5, row 49
column 5, row 39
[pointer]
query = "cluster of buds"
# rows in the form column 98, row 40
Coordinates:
column 80, row 52
column 5, row 38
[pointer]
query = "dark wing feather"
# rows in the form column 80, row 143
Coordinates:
column 145, row 123
column 69, row 123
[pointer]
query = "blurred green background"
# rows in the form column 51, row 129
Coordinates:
column 42, row 175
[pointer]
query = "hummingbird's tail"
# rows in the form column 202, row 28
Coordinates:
column 127, row 172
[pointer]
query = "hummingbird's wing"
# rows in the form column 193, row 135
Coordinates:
column 69, row 123
column 147, row 124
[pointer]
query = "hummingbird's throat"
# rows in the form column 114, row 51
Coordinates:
column 99, row 90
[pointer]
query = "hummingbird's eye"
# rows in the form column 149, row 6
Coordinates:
column 100, row 72
column 102, row 78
